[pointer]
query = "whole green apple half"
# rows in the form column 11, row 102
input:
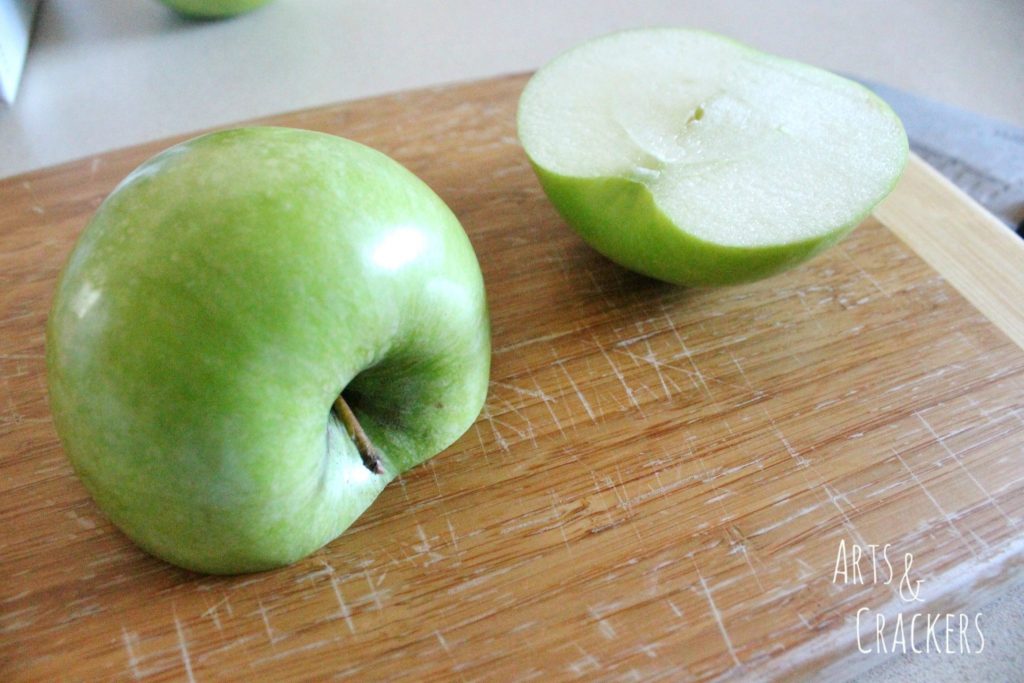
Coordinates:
column 213, row 9
column 256, row 332
column 696, row 160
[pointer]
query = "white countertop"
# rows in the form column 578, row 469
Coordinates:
column 104, row 74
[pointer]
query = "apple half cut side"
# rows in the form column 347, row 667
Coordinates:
column 696, row 160
column 228, row 303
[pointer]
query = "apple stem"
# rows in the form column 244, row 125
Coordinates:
column 367, row 451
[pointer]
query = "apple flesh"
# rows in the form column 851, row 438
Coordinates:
column 219, row 303
column 696, row 160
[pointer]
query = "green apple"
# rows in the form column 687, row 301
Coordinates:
column 696, row 160
column 213, row 9
column 256, row 332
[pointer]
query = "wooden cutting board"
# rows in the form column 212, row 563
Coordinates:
column 658, row 485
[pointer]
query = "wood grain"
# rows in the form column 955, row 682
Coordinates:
column 968, row 245
column 656, row 489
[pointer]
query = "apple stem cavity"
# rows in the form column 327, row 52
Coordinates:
column 367, row 451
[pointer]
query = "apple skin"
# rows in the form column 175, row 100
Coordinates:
column 213, row 9
column 217, row 304
column 654, row 246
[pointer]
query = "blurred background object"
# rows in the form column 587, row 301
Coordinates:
column 213, row 9
column 15, row 29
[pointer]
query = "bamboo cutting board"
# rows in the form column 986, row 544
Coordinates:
column 658, row 484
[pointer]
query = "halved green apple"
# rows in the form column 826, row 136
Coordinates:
column 697, row 160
